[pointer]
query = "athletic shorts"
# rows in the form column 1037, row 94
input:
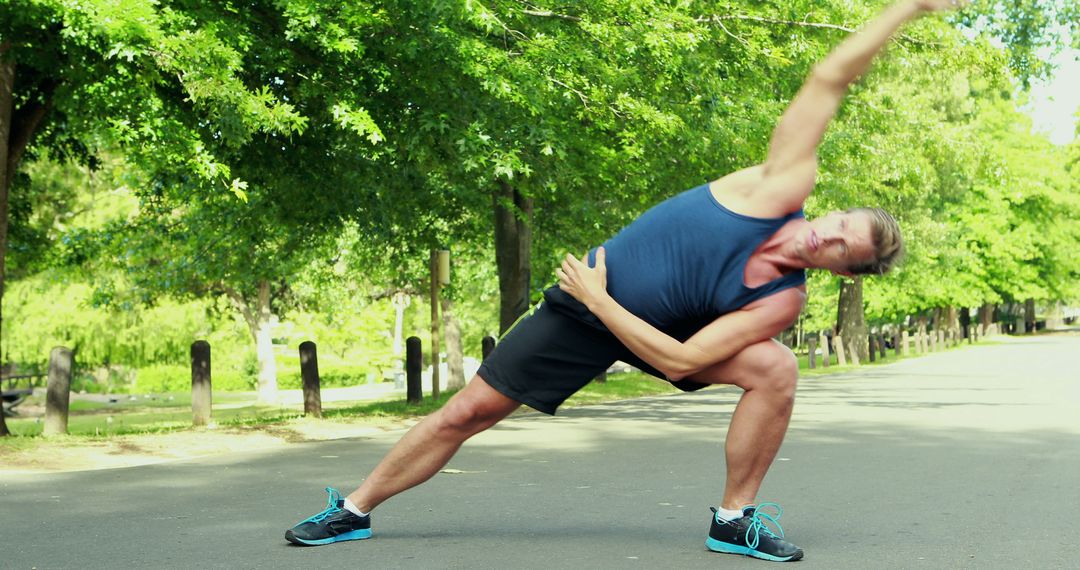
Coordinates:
column 553, row 352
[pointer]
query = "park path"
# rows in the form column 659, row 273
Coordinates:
column 962, row 459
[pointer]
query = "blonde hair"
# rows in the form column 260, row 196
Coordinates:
column 888, row 243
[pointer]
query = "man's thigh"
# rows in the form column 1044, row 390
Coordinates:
column 750, row 365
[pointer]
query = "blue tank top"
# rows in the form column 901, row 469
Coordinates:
column 681, row 264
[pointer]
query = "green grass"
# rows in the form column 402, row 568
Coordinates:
column 622, row 386
column 165, row 414
column 172, row 412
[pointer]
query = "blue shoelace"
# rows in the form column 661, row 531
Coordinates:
column 331, row 506
column 759, row 523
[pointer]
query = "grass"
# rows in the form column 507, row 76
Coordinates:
column 172, row 412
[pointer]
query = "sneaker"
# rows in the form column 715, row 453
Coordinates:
column 751, row 535
column 335, row 524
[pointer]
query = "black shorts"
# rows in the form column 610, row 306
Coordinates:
column 552, row 353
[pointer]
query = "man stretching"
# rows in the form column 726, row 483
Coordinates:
column 692, row 292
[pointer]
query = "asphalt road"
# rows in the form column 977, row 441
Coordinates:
column 963, row 459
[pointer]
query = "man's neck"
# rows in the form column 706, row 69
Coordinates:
column 779, row 249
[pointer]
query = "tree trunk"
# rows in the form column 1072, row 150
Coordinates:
column 401, row 302
column 258, row 321
column 264, row 345
column 986, row 316
column 17, row 127
column 850, row 318
column 513, row 243
column 7, row 84
column 455, row 358
column 1029, row 316
column 952, row 318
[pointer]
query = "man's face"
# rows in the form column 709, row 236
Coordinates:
column 837, row 241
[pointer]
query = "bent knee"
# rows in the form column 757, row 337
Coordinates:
column 775, row 368
column 468, row 413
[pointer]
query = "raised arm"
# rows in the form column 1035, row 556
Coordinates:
column 791, row 164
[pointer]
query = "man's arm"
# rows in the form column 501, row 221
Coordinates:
column 791, row 164
column 718, row 341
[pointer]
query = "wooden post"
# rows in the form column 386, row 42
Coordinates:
column 309, row 373
column 201, row 395
column 812, row 345
column 824, row 342
column 854, row 352
column 838, row 344
column 904, row 343
column 58, row 394
column 872, row 341
column 896, row 344
column 487, row 344
column 414, row 364
column 882, row 349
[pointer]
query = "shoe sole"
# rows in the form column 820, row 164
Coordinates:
column 728, row 548
column 360, row 534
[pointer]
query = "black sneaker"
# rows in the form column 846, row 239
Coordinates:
column 751, row 536
column 334, row 524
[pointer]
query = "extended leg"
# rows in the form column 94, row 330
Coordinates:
column 430, row 444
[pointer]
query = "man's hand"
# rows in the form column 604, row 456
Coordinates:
column 586, row 284
column 940, row 5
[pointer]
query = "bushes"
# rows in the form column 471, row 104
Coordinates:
column 171, row 378
column 330, row 376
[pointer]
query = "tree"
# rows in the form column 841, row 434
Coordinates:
column 72, row 75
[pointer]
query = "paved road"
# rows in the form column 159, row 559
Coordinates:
column 965, row 459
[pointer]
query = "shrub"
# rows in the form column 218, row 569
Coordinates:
column 172, row 378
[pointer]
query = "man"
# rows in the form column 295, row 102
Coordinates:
column 692, row 292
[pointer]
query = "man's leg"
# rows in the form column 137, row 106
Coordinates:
column 768, row 372
column 430, row 444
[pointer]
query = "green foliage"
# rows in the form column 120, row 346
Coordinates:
column 196, row 151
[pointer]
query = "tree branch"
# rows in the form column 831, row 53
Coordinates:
column 718, row 18
column 550, row 14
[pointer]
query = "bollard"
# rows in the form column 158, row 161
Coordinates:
column 812, row 346
column 838, row 345
column 824, row 342
column 904, row 343
column 200, row 383
column 58, row 394
column 486, row 346
column 309, row 373
column 896, row 344
column 872, row 352
column 414, row 363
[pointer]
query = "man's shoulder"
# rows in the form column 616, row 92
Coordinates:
column 756, row 193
